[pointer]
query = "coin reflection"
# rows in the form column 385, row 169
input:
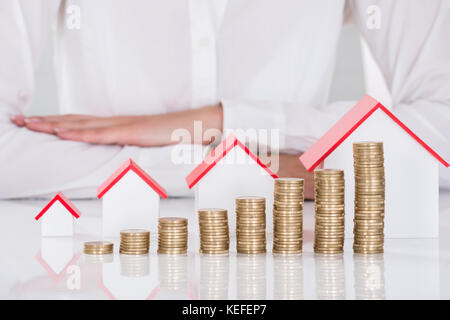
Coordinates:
column 172, row 272
column 251, row 277
column 134, row 265
column 98, row 258
column 330, row 277
column 369, row 276
column 288, row 277
column 214, row 274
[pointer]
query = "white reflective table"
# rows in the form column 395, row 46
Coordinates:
column 37, row 268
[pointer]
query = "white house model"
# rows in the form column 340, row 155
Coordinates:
column 231, row 170
column 57, row 217
column 130, row 200
column 411, row 168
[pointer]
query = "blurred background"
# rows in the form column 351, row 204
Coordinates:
column 355, row 74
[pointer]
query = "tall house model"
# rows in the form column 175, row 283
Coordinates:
column 229, row 171
column 130, row 200
column 411, row 168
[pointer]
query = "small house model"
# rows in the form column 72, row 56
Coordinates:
column 231, row 170
column 57, row 217
column 411, row 168
column 130, row 200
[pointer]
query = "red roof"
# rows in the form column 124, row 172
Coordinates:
column 123, row 169
column 345, row 127
column 65, row 202
column 218, row 154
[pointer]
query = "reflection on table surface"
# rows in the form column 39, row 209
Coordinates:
column 55, row 268
column 330, row 277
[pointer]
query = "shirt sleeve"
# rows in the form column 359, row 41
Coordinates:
column 413, row 53
column 37, row 164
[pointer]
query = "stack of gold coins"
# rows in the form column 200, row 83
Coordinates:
column 329, row 194
column 369, row 197
column 214, row 233
column 172, row 235
column 98, row 247
column 288, row 215
column 251, row 225
column 134, row 241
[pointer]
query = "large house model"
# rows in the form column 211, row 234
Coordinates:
column 57, row 217
column 130, row 200
column 229, row 171
column 411, row 168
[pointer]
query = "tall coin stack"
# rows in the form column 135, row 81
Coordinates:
column 369, row 197
column 134, row 241
column 288, row 215
column 251, row 225
column 329, row 191
column 214, row 233
column 172, row 235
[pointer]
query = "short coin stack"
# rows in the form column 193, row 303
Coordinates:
column 251, row 225
column 134, row 241
column 288, row 215
column 369, row 197
column 98, row 247
column 172, row 235
column 329, row 195
column 214, row 232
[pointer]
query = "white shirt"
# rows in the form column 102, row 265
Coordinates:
column 269, row 62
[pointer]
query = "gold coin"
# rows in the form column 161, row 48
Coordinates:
column 135, row 235
column 133, row 252
column 94, row 252
column 212, row 210
column 173, row 220
column 134, row 232
column 98, row 244
column 172, row 252
column 214, row 251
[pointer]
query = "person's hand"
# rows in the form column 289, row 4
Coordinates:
column 145, row 131
column 291, row 167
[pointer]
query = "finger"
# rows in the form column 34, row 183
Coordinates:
column 18, row 120
column 96, row 122
column 57, row 118
column 106, row 135
column 47, row 124
column 38, row 126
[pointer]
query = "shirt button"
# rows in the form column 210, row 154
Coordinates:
column 204, row 42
